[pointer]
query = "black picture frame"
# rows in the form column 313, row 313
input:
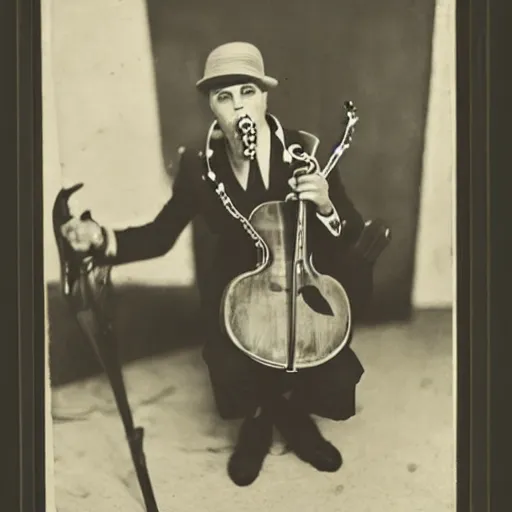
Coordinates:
column 482, row 340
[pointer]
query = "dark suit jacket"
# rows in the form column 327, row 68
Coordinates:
column 193, row 196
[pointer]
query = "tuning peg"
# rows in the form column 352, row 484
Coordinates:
column 350, row 107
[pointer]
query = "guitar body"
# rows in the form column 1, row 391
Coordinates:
column 267, row 311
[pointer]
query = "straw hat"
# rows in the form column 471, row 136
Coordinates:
column 235, row 62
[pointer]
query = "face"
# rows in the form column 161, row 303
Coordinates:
column 230, row 103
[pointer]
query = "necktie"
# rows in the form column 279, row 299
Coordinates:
column 255, row 186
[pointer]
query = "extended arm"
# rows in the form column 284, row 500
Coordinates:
column 143, row 242
column 158, row 236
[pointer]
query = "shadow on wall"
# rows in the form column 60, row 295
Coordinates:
column 374, row 53
column 149, row 320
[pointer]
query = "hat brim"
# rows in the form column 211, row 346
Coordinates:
column 215, row 81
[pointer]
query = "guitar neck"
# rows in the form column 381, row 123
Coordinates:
column 298, row 264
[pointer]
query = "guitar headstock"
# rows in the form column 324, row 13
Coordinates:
column 351, row 120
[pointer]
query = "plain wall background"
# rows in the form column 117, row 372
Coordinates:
column 102, row 128
column 119, row 101
column 435, row 268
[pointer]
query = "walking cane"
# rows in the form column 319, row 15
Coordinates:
column 87, row 288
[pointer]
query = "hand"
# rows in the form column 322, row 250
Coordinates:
column 83, row 234
column 311, row 187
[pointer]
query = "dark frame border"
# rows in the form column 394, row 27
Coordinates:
column 11, row 346
column 31, row 326
column 23, row 122
column 23, row 22
column 472, row 255
column 500, row 103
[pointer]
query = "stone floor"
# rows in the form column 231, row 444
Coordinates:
column 398, row 450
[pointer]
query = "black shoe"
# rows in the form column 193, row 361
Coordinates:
column 253, row 445
column 304, row 438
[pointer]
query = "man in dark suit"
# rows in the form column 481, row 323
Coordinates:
column 250, row 170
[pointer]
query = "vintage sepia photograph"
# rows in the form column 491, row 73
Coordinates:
column 249, row 255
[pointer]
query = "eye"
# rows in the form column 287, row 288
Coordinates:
column 248, row 90
column 223, row 96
